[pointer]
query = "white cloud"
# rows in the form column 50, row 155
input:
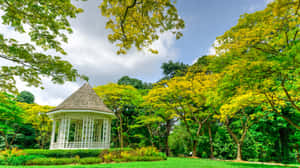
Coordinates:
column 268, row 1
column 93, row 55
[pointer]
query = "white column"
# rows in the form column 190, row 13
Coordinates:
column 92, row 133
column 104, row 137
column 86, row 132
column 100, row 127
column 63, row 132
column 53, row 134
column 108, row 132
column 67, row 132
column 82, row 135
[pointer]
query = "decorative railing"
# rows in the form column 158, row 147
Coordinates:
column 80, row 145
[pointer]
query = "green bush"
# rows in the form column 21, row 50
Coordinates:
column 142, row 154
column 90, row 160
column 51, row 161
column 60, row 153
column 80, row 156
column 15, row 157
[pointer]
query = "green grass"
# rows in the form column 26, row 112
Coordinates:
column 170, row 163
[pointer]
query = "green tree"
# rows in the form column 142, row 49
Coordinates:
column 46, row 23
column 172, row 69
column 10, row 118
column 126, row 80
column 26, row 97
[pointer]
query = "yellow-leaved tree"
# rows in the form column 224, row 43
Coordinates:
column 186, row 97
column 35, row 115
column 263, row 49
column 119, row 98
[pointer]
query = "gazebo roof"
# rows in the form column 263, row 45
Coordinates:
column 85, row 98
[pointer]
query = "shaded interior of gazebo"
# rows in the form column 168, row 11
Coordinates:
column 82, row 121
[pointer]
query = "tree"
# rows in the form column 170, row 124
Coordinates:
column 10, row 118
column 46, row 23
column 36, row 116
column 118, row 98
column 264, row 49
column 25, row 97
column 239, row 114
column 160, row 114
column 172, row 69
column 186, row 97
column 150, row 18
column 138, row 84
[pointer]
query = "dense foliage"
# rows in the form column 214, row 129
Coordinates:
column 25, row 97
column 242, row 103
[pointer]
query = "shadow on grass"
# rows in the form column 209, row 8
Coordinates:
column 256, row 165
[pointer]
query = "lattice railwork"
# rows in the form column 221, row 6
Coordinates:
column 81, row 133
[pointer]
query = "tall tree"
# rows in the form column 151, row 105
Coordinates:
column 26, row 97
column 160, row 114
column 10, row 118
column 172, row 69
column 186, row 97
column 264, row 50
column 118, row 98
column 36, row 116
column 126, row 80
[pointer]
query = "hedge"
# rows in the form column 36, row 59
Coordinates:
column 51, row 161
column 62, row 153
column 88, row 160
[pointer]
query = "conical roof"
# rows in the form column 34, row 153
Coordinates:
column 85, row 98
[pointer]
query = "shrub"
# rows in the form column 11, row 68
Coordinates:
column 60, row 153
column 51, row 161
column 142, row 154
column 90, row 160
column 15, row 157
column 147, row 151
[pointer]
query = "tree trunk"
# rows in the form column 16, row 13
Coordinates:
column 284, row 135
column 298, row 153
column 195, row 143
column 211, row 142
column 121, row 133
column 239, row 152
column 5, row 140
column 237, row 142
column 151, row 135
column 168, row 127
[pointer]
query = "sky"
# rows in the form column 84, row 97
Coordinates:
column 93, row 55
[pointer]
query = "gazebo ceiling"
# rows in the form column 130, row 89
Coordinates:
column 85, row 98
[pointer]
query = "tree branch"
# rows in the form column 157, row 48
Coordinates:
column 277, row 112
column 124, row 18
column 289, row 96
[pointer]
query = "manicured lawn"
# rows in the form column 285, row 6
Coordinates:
column 170, row 163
